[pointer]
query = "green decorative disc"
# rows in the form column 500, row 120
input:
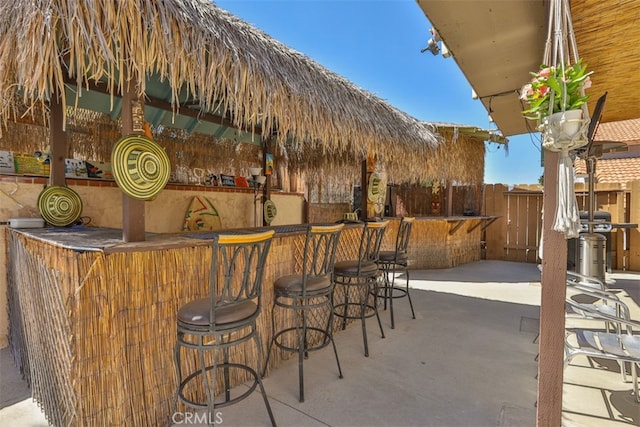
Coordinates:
column 59, row 206
column 140, row 166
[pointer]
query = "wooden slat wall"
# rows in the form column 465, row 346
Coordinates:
column 515, row 236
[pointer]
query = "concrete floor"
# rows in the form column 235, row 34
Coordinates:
column 468, row 359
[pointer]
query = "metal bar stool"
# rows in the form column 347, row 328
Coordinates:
column 223, row 319
column 393, row 261
column 360, row 277
column 308, row 294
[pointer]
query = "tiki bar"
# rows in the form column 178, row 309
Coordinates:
column 133, row 133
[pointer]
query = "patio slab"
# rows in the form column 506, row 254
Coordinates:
column 468, row 359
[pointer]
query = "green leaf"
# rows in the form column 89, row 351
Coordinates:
column 553, row 83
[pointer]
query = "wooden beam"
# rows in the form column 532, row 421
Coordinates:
column 133, row 215
column 166, row 106
column 57, row 141
column 552, row 304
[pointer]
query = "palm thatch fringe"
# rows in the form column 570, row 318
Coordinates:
column 90, row 136
column 203, row 55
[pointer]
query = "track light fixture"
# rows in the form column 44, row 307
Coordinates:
column 432, row 44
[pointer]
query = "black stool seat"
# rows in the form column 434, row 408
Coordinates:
column 354, row 268
column 390, row 256
column 292, row 284
column 198, row 313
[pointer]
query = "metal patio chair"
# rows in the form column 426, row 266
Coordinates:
column 621, row 345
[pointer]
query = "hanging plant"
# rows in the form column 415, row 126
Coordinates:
column 555, row 90
column 556, row 101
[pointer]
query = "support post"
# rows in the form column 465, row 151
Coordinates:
column 266, row 190
column 363, row 191
column 133, row 214
column 449, row 211
column 57, row 141
column 552, row 304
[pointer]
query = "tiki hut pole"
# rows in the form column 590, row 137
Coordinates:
column 363, row 191
column 449, row 211
column 267, row 147
column 133, row 218
column 57, row 140
column 552, row 303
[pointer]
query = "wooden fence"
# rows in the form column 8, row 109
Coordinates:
column 516, row 235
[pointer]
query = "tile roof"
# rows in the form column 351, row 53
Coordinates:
column 627, row 131
column 614, row 167
column 618, row 167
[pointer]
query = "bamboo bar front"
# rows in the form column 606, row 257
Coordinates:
column 93, row 319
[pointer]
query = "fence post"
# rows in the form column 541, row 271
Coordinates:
column 494, row 235
column 634, row 233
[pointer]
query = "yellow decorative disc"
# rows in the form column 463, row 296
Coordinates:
column 59, row 206
column 270, row 211
column 140, row 166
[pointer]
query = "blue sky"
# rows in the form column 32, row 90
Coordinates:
column 376, row 44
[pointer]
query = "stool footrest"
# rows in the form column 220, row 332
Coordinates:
column 396, row 292
column 321, row 345
column 223, row 403
column 371, row 310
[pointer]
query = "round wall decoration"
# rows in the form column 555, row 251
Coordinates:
column 270, row 211
column 59, row 206
column 140, row 166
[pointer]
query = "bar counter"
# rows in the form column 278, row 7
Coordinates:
column 92, row 319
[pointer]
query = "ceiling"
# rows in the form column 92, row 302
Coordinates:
column 496, row 44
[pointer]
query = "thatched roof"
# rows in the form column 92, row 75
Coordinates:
column 203, row 57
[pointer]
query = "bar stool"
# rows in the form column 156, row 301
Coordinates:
column 360, row 277
column 307, row 294
column 392, row 261
column 223, row 319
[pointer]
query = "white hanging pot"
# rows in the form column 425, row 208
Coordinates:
column 569, row 122
column 566, row 130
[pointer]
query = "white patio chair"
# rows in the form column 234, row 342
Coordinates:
column 581, row 279
column 622, row 345
column 602, row 301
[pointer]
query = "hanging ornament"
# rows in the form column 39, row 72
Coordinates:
column 567, row 219
column 565, row 124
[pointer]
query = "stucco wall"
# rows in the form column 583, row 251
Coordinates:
column 103, row 205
